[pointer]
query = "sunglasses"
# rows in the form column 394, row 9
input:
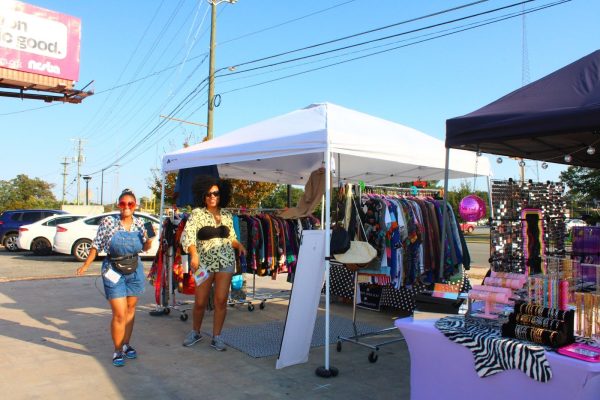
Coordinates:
column 126, row 204
column 213, row 194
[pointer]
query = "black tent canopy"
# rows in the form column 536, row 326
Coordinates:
column 550, row 118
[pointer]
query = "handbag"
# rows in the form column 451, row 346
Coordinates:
column 340, row 240
column 358, row 252
column 126, row 264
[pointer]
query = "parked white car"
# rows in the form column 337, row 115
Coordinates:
column 39, row 236
column 570, row 223
column 76, row 237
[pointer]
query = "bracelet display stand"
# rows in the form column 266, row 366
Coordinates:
column 494, row 297
column 357, row 338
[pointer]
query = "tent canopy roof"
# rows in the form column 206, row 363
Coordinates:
column 545, row 120
column 287, row 148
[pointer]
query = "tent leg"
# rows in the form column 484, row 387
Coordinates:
column 162, row 203
column 327, row 371
column 444, row 214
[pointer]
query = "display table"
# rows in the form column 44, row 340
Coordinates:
column 442, row 369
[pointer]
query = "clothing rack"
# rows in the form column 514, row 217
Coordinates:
column 357, row 337
column 404, row 189
column 251, row 298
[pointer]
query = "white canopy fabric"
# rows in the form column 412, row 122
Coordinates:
column 287, row 148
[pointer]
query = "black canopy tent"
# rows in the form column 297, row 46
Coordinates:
column 555, row 116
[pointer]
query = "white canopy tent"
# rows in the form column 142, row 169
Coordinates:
column 287, row 148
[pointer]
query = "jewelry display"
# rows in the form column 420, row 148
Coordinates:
column 547, row 326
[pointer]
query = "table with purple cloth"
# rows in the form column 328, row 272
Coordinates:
column 442, row 369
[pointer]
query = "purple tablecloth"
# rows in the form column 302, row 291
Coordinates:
column 441, row 369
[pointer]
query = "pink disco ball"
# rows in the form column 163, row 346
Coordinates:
column 471, row 208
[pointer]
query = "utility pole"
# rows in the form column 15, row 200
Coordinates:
column 211, row 65
column 65, row 163
column 79, row 163
column 87, row 179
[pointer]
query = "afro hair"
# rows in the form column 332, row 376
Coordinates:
column 203, row 184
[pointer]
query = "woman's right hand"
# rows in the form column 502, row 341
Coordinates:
column 81, row 270
column 194, row 261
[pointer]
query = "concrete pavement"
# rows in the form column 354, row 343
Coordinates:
column 55, row 344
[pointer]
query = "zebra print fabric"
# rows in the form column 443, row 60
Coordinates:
column 493, row 353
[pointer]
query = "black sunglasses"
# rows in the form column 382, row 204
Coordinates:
column 214, row 194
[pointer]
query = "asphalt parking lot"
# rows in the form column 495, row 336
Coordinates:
column 25, row 265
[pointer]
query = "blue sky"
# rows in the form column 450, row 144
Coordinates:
column 157, row 51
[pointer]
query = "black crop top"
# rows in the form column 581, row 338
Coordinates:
column 210, row 232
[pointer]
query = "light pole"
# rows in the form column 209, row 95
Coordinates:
column 102, row 182
column 211, row 65
column 87, row 179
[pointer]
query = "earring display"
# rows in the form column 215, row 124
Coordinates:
column 542, row 226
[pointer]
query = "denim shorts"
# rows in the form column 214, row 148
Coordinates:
column 226, row 268
column 128, row 285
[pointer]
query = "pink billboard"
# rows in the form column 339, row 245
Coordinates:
column 39, row 41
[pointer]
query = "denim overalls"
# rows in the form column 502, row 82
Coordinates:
column 123, row 243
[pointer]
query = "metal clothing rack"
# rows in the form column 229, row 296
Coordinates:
column 404, row 189
column 250, row 298
column 357, row 338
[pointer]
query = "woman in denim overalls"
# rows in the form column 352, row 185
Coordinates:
column 121, row 235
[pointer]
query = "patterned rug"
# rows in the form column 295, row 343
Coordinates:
column 264, row 340
column 494, row 353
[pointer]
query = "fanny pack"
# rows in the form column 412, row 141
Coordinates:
column 126, row 264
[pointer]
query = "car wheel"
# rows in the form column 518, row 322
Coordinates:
column 81, row 249
column 10, row 241
column 41, row 247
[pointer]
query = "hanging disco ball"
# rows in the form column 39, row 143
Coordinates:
column 471, row 208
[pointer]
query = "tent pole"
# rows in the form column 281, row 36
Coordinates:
column 444, row 213
column 162, row 202
column 327, row 371
column 489, row 187
column 489, row 184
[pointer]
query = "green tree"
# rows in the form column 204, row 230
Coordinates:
column 249, row 193
column 584, row 183
column 23, row 192
column 156, row 185
column 278, row 198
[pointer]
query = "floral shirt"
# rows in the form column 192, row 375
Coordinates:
column 111, row 224
column 212, row 253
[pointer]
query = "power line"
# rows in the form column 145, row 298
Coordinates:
column 362, row 33
column 286, row 22
column 398, row 47
column 365, row 42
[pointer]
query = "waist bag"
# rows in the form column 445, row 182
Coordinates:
column 126, row 264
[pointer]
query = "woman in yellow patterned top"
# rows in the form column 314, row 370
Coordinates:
column 210, row 240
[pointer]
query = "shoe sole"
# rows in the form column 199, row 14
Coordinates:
column 191, row 344
column 119, row 364
column 131, row 357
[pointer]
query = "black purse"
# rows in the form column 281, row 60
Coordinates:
column 126, row 264
column 340, row 240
